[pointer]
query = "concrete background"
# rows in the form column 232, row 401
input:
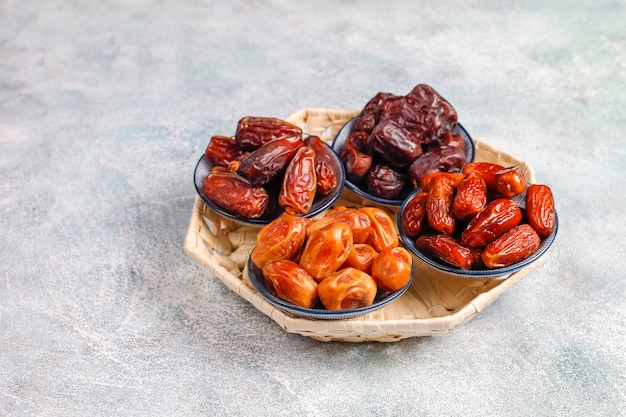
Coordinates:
column 105, row 107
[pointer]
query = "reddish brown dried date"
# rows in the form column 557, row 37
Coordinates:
column 324, row 167
column 221, row 150
column 413, row 218
column 385, row 182
column 453, row 177
column 540, row 209
column 470, row 198
column 394, row 143
column 392, row 268
column 447, row 249
column 253, row 132
column 326, row 249
column 347, row 289
column 498, row 216
column 510, row 181
column 235, row 194
column 439, row 206
column 487, row 170
column 300, row 183
column 281, row 239
column 513, row 246
column 383, row 234
column 444, row 158
column 289, row 282
column 270, row 160
column 356, row 156
column 359, row 222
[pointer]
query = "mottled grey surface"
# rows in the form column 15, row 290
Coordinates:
column 105, row 107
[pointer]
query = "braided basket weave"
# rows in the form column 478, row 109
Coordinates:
column 432, row 306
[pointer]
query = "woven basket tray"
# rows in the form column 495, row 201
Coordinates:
column 433, row 305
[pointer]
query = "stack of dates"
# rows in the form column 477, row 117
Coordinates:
column 397, row 140
column 470, row 221
column 268, row 156
column 341, row 260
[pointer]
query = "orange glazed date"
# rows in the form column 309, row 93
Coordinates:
column 392, row 268
column 439, row 206
column 361, row 257
column 253, row 132
column 510, row 181
column 347, row 289
column 324, row 167
column 540, row 209
column 414, row 215
column 487, row 170
column 470, row 197
column 326, row 249
column 513, row 246
column 233, row 193
column 291, row 283
column 358, row 221
column 282, row 238
column 454, row 178
column 383, row 234
column 222, row 150
column 267, row 162
column 448, row 249
column 497, row 217
column 299, row 183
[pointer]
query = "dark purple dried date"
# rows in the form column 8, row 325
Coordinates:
column 441, row 116
column 394, row 143
column 356, row 156
column 443, row 158
column 385, row 182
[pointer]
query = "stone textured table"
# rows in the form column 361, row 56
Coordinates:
column 106, row 106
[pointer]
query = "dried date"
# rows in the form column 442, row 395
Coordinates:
column 510, row 181
column 359, row 222
column 385, row 182
column 253, row 132
column 395, row 144
column 540, row 209
column 439, row 205
column 356, row 156
column 498, row 216
column 299, row 183
column 470, row 197
column 270, row 160
column 413, row 217
column 445, row 158
column 326, row 249
column 281, row 239
column 392, row 268
column 347, row 289
column 383, row 234
column 235, row 194
column 289, row 282
column 324, row 166
column 513, row 246
column 222, row 150
column 447, row 249
column 487, row 171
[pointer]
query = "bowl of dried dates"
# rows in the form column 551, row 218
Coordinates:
column 346, row 264
column 484, row 222
column 396, row 140
column 269, row 167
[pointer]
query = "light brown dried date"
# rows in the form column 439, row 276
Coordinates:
column 359, row 222
column 347, row 289
column 392, row 268
column 448, row 249
column 510, row 181
column 540, row 209
column 496, row 218
column 383, row 233
column 439, row 206
column 253, row 132
column 289, row 282
column 326, row 250
column 270, row 160
column 470, row 197
column 222, row 150
column 513, row 246
column 299, row 183
column 281, row 239
column 324, row 167
column 235, row 194
column 361, row 257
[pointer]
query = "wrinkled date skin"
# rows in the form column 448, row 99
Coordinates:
column 347, row 289
column 383, row 234
column 513, row 246
column 299, row 183
column 498, row 216
column 326, row 249
column 361, row 257
column 324, row 168
column 392, row 268
column 359, row 222
column 453, row 177
column 445, row 158
column 510, row 181
column 439, row 206
column 235, row 194
column 222, row 150
column 385, row 182
column 441, row 115
column 448, row 249
column 281, row 239
column 356, row 156
column 486, row 170
column 253, row 132
column 394, row 143
column 540, row 209
column 270, row 160
column 291, row 283
column 470, row 197
column 414, row 215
